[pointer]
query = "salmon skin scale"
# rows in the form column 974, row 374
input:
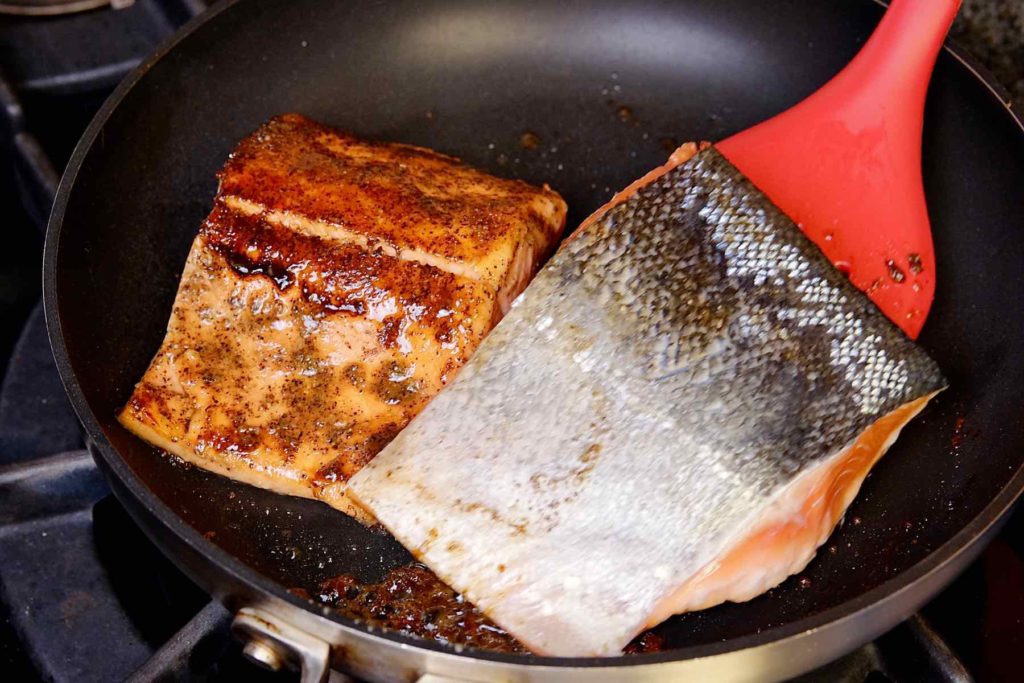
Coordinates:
column 715, row 291
column 676, row 366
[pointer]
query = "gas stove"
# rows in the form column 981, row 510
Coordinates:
column 84, row 596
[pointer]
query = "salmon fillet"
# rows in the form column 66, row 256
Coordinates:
column 336, row 286
column 409, row 202
column 675, row 413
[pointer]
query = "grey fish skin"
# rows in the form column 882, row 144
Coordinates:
column 676, row 366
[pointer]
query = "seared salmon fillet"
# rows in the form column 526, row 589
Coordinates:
column 294, row 351
column 409, row 202
column 675, row 413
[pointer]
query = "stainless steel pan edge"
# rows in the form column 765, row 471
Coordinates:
column 386, row 657
column 374, row 658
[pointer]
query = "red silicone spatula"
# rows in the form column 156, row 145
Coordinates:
column 845, row 164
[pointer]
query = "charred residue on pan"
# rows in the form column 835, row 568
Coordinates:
column 529, row 140
column 412, row 600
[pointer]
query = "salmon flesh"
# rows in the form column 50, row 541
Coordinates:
column 336, row 286
column 675, row 413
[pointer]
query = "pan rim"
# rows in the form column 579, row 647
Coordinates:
column 864, row 605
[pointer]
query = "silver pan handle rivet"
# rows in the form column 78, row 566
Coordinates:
column 263, row 654
column 272, row 642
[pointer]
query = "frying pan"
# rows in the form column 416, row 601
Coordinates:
column 607, row 87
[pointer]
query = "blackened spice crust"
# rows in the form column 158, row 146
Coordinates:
column 337, row 277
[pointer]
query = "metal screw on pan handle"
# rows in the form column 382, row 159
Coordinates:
column 264, row 654
column 273, row 643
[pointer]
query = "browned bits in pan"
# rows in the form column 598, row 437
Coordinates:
column 413, row 600
column 529, row 140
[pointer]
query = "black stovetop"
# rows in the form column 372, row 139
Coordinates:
column 84, row 596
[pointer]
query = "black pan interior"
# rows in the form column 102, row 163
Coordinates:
column 607, row 87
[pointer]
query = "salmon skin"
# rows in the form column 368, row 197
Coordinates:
column 675, row 413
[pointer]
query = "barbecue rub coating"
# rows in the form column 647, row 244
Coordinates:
column 336, row 286
column 675, row 413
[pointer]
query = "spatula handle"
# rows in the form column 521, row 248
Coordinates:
column 897, row 60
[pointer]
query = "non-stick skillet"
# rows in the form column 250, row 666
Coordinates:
column 607, row 87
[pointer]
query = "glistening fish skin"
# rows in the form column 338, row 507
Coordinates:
column 677, row 365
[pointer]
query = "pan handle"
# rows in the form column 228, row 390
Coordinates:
column 274, row 643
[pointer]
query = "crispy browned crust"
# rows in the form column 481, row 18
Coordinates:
column 351, row 280
column 411, row 199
